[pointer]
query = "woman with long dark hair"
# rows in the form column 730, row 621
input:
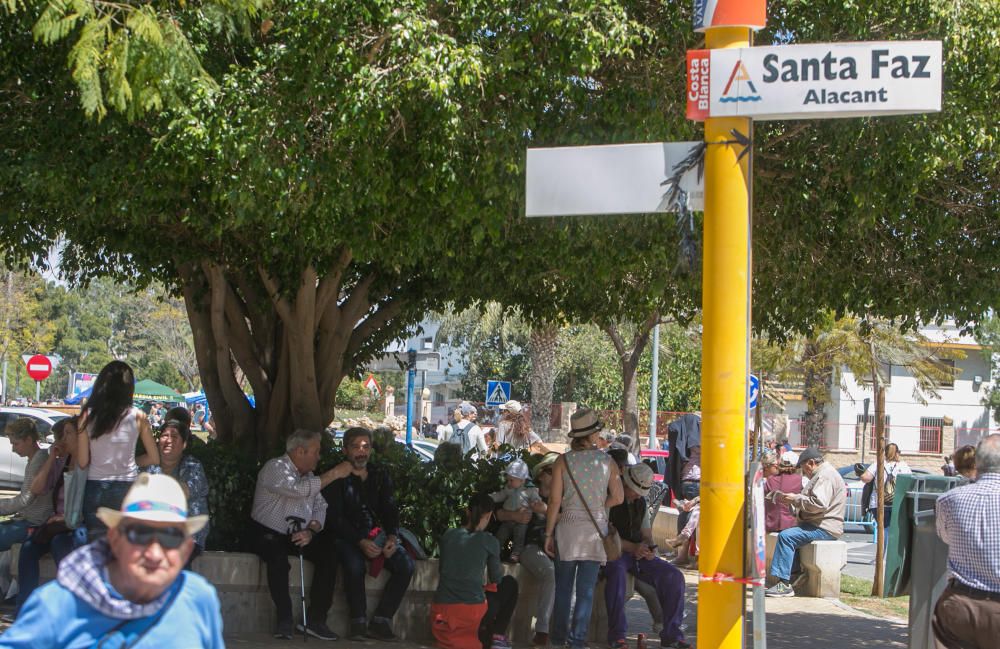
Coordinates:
column 464, row 613
column 109, row 427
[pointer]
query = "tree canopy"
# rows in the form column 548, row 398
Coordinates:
column 352, row 164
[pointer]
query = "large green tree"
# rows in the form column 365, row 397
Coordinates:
column 352, row 163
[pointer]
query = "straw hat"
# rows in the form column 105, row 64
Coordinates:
column 548, row 460
column 156, row 498
column 639, row 478
column 584, row 422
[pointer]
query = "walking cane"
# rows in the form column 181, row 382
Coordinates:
column 295, row 526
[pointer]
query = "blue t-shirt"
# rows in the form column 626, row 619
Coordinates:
column 54, row 617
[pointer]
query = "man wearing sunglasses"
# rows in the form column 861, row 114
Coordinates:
column 128, row 589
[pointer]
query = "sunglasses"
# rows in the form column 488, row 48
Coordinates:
column 170, row 538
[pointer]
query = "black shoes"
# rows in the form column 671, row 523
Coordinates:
column 359, row 631
column 284, row 630
column 381, row 630
column 318, row 630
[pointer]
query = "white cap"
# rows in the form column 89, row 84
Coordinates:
column 790, row 458
column 512, row 406
column 517, row 469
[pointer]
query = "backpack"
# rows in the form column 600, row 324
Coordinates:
column 460, row 436
column 890, row 485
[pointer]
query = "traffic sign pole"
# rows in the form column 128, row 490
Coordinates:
column 726, row 314
column 411, row 376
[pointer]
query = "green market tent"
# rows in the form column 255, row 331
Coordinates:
column 147, row 390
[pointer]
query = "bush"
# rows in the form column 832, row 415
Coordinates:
column 232, row 476
column 353, row 395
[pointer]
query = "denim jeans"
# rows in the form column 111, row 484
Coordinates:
column 101, row 493
column 11, row 532
column 59, row 545
column 584, row 573
column 791, row 540
column 355, row 565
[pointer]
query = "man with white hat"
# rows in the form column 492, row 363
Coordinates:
column 128, row 589
column 631, row 519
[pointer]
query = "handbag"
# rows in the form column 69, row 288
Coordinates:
column 612, row 542
column 75, row 482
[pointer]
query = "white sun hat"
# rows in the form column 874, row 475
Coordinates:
column 155, row 498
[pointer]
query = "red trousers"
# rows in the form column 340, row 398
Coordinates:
column 456, row 626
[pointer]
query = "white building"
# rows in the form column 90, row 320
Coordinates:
column 918, row 428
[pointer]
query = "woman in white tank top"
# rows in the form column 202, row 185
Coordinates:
column 109, row 428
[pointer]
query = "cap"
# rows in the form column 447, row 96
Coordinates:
column 517, row 469
column 512, row 406
column 810, row 453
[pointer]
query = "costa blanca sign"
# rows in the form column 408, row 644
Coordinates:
column 815, row 81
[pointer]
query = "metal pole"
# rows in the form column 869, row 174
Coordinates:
column 38, row 391
column 411, row 377
column 654, row 386
column 3, row 388
column 726, row 314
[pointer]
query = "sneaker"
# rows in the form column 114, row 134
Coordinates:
column 780, row 589
column 359, row 631
column 284, row 630
column 317, row 630
column 500, row 642
column 381, row 630
column 540, row 639
column 677, row 644
column 619, row 644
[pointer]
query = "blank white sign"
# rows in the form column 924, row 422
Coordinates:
column 612, row 179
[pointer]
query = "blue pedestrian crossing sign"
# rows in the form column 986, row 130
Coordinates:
column 497, row 393
column 754, row 392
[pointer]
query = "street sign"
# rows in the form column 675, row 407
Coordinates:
column 614, row 179
column 729, row 13
column 754, row 392
column 372, row 385
column 39, row 367
column 815, row 80
column 497, row 393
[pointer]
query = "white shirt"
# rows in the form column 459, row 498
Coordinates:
column 112, row 455
column 282, row 492
column 893, row 469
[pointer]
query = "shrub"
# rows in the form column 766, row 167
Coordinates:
column 232, row 476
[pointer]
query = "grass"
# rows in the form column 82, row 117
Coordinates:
column 857, row 592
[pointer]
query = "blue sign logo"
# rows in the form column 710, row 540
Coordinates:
column 497, row 393
column 754, row 392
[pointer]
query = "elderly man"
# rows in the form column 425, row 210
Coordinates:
column 968, row 519
column 819, row 509
column 128, row 589
column 364, row 523
column 288, row 493
column 631, row 519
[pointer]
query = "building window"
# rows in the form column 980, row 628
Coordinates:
column 930, row 434
column 948, row 382
column 870, row 433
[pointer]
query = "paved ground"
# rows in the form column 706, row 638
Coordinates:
column 792, row 623
column 860, row 553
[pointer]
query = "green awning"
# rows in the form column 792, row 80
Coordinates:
column 147, row 390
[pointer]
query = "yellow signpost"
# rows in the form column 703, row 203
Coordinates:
column 725, row 366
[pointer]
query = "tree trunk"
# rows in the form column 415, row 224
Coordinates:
column 543, row 345
column 292, row 344
column 629, row 355
column 817, row 393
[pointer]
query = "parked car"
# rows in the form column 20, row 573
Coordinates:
column 11, row 466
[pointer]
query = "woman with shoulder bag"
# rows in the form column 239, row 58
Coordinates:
column 585, row 484
column 61, row 477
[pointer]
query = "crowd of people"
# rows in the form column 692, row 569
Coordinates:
column 122, row 526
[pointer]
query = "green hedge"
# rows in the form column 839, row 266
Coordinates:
column 431, row 495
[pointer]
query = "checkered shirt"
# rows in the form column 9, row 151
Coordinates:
column 282, row 492
column 968, row 520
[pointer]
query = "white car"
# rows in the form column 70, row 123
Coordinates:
column 11, row 466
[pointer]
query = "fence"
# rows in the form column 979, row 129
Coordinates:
column 929, row 435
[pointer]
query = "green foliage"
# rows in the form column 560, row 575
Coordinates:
column 354, row 395
column 988, row 335
column 232, row 476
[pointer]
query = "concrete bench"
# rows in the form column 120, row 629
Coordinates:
column 241, row 582
column 665, row 525
column 821, row 563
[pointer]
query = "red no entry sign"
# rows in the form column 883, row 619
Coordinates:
column 39, row 367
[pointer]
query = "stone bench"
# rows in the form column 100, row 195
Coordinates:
column 821, row 563
column 241, row 582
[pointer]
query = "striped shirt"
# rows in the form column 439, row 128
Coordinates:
column 282, row 492
column 968, row 520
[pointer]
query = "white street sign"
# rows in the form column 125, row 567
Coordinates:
column 613, row 179
column 815, row 80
